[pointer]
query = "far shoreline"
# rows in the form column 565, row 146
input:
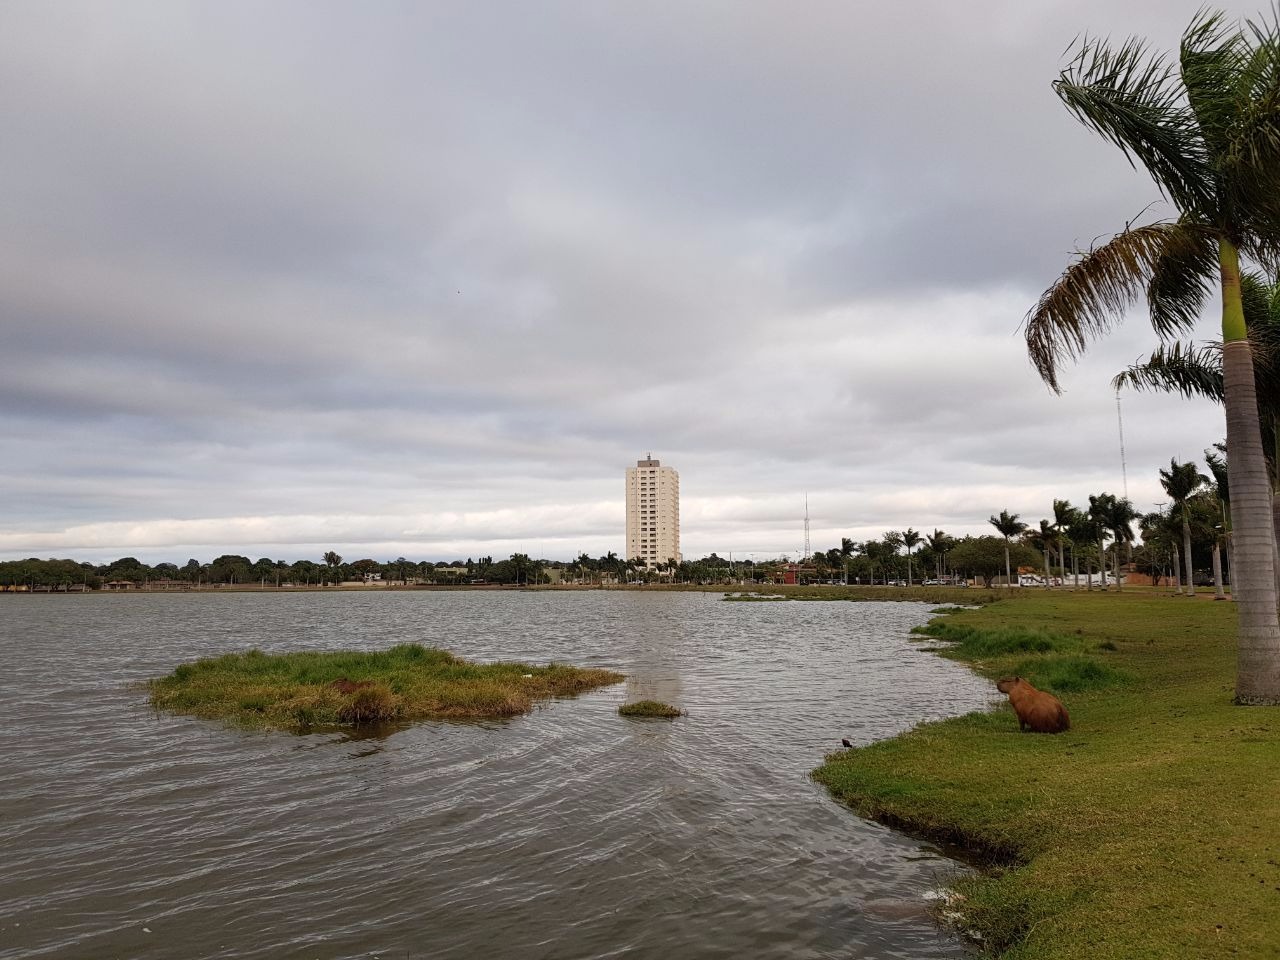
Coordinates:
column 798, row 592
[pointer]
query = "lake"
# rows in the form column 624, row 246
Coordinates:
column 570, row 832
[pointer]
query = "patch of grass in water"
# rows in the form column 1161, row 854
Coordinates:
column 295, row 691
column 649, row 708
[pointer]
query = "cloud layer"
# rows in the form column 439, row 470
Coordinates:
column 425, row 279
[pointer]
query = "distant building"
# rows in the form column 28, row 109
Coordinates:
column 653, row 513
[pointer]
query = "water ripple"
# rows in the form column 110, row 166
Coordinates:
column 567, row 833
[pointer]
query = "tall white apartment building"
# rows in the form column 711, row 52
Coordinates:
column 653, row 512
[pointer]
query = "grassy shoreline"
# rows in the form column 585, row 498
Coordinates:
column 1151, row 829
column 298, row 691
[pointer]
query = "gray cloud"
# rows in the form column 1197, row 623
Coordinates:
column 427, row 278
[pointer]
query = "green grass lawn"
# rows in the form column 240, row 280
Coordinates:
column 1151, row 829
column 295, row 691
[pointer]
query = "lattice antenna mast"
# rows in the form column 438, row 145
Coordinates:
column 1124, row 470
column 807, row 552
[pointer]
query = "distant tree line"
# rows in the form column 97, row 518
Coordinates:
column 1185, row 543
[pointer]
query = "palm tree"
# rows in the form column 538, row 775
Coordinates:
column 1159, row 531
column 892, row 541
column 1040, row 539
column 1180, row 482
column 1216, row 460
column 1119, row 520
column 874, row 551
column 939, row 543
column 910, row 539
column 1009, row 526
column 1209, row 135
column 1083, row 528
column 1062, row 513
column 1100, row 507
column 847, row 549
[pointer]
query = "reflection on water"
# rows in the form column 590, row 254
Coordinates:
column 567, row 833
column 654, row 672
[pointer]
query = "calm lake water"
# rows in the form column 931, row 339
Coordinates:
column 568, row 833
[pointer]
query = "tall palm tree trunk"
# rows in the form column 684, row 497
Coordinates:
column 1177, row 572
column 1186, row 551
column 1218, row 592
column 1008, row 577
column 1231, row 564
column 1102, row 562
column 1275, row 519
column 1258, row 658
column 1115, row 564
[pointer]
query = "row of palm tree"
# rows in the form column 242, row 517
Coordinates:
column 1107, row 517
column 1207, row 129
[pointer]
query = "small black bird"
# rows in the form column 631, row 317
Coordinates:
column 846, row 743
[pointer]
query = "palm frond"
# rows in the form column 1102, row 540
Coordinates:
column 1178, row 368
column 1248, row 163
column 1183, row 278
column 1135, row 100
column 1091, row 295
column 1218, row 469
column 1213, row 59
column 1262, row 316
column 1181, row 481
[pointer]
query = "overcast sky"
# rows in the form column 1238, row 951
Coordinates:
column 424, row 279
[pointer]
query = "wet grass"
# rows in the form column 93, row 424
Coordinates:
column 649, row 708
column 779, row 591
column 296, row 691
column 1147, row 831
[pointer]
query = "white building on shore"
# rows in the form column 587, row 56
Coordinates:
column 653, row 512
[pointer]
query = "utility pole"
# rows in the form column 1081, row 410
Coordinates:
column 807, row 552
column 1124, row 472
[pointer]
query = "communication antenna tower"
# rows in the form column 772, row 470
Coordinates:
column 807, row 552
column 1124, row 472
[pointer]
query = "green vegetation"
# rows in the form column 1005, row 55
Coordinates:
column 649, row 708
column 945, row 595
column 294, row 691
column 1148, row 830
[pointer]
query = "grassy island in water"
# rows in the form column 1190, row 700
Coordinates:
column 294, row 691
column 1151, row 829
column 650, row 708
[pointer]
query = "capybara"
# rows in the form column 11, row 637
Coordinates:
column 1037, row 711
column 343, row 685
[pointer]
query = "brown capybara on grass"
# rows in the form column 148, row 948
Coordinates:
column 1037, row 711
column 343, row 685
